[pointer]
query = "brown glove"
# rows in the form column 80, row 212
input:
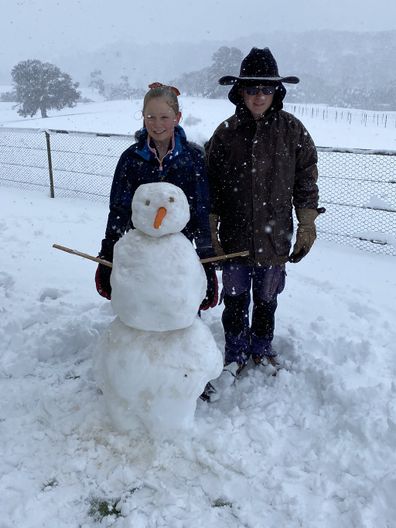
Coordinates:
column 214, row 221
column 306, row 233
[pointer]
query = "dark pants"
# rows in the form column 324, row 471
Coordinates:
column 243, row 339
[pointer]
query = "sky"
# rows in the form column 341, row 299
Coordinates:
column 48, row 28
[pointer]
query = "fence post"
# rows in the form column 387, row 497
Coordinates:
column 51, row 174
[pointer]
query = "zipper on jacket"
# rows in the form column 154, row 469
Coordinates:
column 155, row 152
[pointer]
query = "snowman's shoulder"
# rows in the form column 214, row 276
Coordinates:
column 181, row 239
column 129, row 238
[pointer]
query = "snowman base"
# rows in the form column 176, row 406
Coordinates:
column 151, row 380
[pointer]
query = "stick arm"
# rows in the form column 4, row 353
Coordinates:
column 110, row 265
column 83, row 255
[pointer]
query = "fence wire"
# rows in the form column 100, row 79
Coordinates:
column 357, row 187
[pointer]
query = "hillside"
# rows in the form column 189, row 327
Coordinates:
column 335, row 67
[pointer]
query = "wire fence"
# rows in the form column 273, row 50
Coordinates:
column 348, row 116
column 68, row 164
column 357, row 187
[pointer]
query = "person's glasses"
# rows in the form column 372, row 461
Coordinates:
column 254, row 90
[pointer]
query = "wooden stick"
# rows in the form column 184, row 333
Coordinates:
column 84, row 255
column 110, row 265
column 224, row 257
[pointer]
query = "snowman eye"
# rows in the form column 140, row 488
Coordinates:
column 147, row 202
column 171, row 199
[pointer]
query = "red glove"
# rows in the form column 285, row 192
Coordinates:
column 102, row 281
column 102, row 275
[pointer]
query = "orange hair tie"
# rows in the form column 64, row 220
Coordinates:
column 160, row 85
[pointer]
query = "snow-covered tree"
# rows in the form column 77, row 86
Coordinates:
column 122, row 90
column 8, row 97
column 225, row 61
column 192, row 83
column 42, row 86
column 96, row 82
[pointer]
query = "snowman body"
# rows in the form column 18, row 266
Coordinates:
column 156, row 357
column 157, row 283
column 152, row 380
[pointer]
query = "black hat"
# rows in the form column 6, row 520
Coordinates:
column 259, row 66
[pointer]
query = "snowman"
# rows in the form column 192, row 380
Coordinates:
column 156, row 357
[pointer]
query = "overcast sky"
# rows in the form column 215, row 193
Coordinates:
column 45, row 28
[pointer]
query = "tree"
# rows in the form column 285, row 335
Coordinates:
column 8, row 97
column 96, row 82
column 122, row 90
column 225, row 61
column 42, row 86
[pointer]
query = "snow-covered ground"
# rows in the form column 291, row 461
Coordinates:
column 201, row 117
column 312, row 447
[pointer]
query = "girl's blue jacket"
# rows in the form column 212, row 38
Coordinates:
column 184, row 167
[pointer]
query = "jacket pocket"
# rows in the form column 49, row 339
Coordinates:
column 280, row 229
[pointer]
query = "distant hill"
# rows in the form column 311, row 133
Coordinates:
column 335, row 67
column 368, row 57
column 338, row 68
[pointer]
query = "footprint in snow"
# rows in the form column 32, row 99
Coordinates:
column 50, row 293
column 6, row 282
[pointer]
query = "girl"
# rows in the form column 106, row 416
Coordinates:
column 161, row 153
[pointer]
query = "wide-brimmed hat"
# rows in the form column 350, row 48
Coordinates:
column 258, row 67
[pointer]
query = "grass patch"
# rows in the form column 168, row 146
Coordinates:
column 100, row 508
column 49, row 484
column 221, row 503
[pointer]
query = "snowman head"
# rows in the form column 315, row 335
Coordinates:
column 159, row 209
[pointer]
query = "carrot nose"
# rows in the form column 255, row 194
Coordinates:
column 159, row 217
